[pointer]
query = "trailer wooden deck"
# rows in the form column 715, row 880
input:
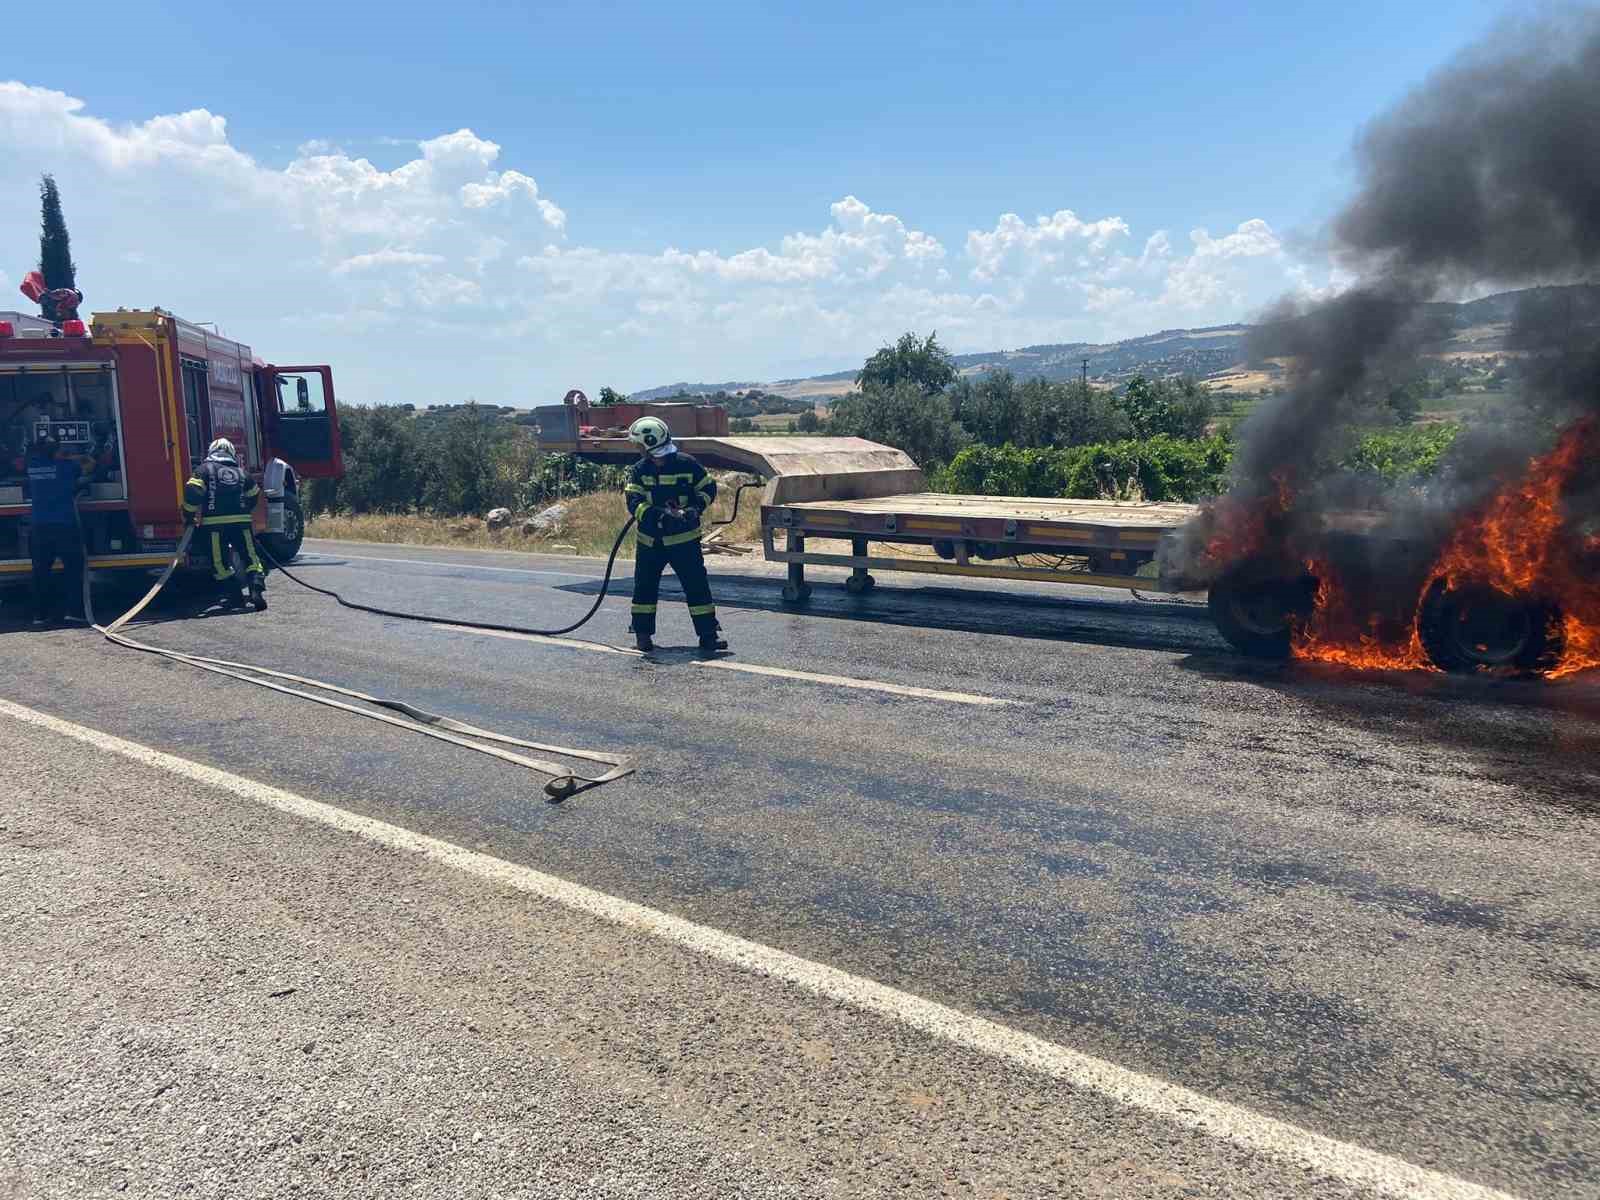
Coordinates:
column 859, row 492
column 1093, row 542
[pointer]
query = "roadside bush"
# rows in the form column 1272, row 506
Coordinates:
column 1157, row 468
column 1396, row 455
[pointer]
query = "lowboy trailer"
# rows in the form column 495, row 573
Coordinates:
column 862, row 501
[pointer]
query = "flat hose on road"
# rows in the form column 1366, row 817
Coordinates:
column 564, row 783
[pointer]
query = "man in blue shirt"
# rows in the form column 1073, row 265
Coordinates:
column 53, row 484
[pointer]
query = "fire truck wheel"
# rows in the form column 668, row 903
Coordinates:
column 286, row 545
column 1255, row 609
column 1475, row 628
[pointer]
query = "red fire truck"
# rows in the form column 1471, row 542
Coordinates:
column 137, row 397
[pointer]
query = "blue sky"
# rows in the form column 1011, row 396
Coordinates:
column 628, row 194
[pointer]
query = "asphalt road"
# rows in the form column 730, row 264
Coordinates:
column 1362, row 905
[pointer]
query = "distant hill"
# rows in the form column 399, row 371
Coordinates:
column 1475, row 329
column 694, row 389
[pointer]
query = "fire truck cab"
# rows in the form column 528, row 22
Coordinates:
column 137, row 396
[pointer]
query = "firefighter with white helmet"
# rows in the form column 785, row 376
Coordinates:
column 220, row 497
column 668, row 493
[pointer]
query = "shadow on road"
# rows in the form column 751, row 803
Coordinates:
column 1541, row 738
column 188, row 601
column 1129, row 623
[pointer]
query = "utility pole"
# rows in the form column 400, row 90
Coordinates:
column 1086, row 374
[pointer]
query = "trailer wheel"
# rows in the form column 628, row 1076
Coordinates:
column 796, row 593
column 1255, row 609
column 860, row 585
column 285, row 546
column 1475, row 628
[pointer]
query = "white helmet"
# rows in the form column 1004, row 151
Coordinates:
column 222, row 448
column 649, row 432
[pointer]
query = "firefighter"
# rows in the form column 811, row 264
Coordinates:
column 669, row 493
column 220, row 498
column 53, row 484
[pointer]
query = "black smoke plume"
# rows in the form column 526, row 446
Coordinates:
column 1487, row 178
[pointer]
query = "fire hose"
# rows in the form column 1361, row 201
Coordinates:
column 605, row 586
column 564, row 782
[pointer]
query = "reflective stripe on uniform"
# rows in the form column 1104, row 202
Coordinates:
column 679, row 539
column 218, row 570
column 644, row 609
column 639, row 511
column 644, row 539
column 240, row 519
column 253, row 566
column 702, row 610
column 669, row 480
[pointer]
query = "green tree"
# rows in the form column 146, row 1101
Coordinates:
column 1405, row 400
column 459, row 449
column 382, row 458
column 1180, row 408
column 1069, row 414
column 920, row 361
column 55, row 246
column 903, row 416
column 808, row 421
column 990, row 409
column 608, row 396
column 999, row 412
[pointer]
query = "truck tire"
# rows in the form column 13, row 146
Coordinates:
column 1255, row 608
column 1471, row 629
column 285, row 546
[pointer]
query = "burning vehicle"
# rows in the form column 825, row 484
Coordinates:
column 1488, row 175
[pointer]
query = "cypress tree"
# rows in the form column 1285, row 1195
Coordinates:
column 55, row 247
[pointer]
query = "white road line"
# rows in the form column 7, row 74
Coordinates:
column 1352, row 1164
column 541, row 639
column 723, row 664
column 866, row 685
column 429, row 562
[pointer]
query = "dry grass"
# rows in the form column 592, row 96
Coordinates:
column 589, row 527
column 802, row 389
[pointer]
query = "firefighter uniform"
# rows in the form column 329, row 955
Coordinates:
column 659, row 489
column 220, row 497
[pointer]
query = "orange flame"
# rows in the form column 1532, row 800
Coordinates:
column 1337, row 632
column 1240, row 527
column 1516, row 544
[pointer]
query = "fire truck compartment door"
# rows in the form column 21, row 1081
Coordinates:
column 302, row 422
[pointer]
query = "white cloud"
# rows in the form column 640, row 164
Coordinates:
column 1013, row 246
column 453, row 273
column 387, row 258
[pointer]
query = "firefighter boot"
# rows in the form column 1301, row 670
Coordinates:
column 712, row 642
column 258, row 594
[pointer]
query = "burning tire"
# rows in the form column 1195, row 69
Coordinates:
column 1256, row 607
column 1478, row 628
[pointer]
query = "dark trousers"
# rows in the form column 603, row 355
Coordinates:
column 689, row 565
column 46, row 543
column 234, row 537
